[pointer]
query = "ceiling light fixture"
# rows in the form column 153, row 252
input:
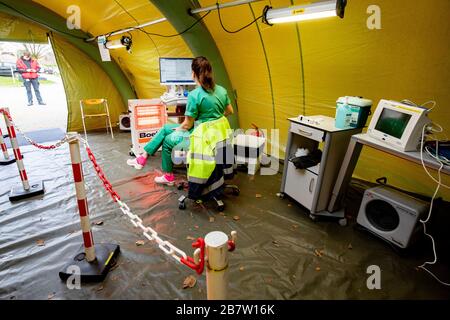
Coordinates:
column 316, row 10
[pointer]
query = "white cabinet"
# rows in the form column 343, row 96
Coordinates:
column 312, row 187
column 300, row 185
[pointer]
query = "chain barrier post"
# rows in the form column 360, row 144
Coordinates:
column 7, row 159
column 94, row 261
column 217, row 247
column 27, row 190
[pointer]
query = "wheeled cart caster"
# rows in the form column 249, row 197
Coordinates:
column 343, row 222
column 220, row 205
column 182, row 203
column 281, row 195
column 313, row 217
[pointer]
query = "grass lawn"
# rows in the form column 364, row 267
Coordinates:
column 8, row 82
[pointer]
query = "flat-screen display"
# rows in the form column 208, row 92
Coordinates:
column 175, row 71
column 392, row 123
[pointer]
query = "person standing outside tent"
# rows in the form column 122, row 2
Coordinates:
column 208, row 102
column 29, row 68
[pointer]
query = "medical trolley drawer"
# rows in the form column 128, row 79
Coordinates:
column 308, row 132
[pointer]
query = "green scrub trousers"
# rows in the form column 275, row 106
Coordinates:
column 168, row 138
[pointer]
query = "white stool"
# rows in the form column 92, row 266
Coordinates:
column 248, row 150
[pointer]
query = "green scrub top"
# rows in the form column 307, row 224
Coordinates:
column 206, row 106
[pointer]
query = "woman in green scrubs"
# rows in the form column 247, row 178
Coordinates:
column 207, row 102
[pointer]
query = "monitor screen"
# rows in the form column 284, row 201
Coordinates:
column 392, row 123
column 176, row 70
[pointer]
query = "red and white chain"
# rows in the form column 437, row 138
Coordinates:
column 30, row 141
column 196, row 263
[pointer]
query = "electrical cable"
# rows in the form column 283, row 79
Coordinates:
column 238, row 30
column 137, row 22
column 421, row 157
column 42, row 23
column 439, row 184
column 177, row 34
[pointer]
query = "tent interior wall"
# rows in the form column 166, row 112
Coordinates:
column 286, row 70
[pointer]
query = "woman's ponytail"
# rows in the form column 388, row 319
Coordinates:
column 203, row 72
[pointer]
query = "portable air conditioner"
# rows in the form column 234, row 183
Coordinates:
column 391, row 215
column 125, row 122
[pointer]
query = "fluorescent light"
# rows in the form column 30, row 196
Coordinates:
column 319, row 10
column 124, row 42
column 114, row 44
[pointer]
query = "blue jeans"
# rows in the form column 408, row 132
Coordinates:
column 35, row 83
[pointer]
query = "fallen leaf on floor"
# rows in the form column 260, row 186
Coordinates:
column 222, row 213
column 40, row 242
column 211, row 219
column 350, row 246
column 318, row 253
column 99, row 289
column 289, row 205
column 241, row 269
column 275, row 243
column 114, row 267
column 190, row 238
column 140, row 243
column 189, row 282
column 51, row 296
column 269, row 280
column 258, row 195
column 295, row 226
column 236, row 218
column 317, row 268
column 98, row 223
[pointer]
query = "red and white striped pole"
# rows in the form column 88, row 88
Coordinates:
column 16, row 150
column 77, row 169
column 3, row 146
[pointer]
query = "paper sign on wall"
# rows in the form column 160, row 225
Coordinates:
column 104, row 52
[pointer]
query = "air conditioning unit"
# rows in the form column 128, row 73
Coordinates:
column 391, row 215
column 125, row 122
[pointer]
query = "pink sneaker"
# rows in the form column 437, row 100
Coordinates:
column 168, row 179
column 138, row 163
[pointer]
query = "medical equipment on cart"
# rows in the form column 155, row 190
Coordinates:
column 398, row 124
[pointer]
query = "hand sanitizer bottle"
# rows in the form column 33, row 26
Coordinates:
column 343, row 115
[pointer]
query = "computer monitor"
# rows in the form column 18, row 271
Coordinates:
column 399, row 125
column 176, row 71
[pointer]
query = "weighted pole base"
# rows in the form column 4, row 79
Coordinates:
column 5, row 162
column 95, row 271
column 18, row 193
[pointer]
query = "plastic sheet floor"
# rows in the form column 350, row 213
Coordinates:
column 281, row 253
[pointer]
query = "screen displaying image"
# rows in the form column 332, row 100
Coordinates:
column 175, row 70
column 392, row 122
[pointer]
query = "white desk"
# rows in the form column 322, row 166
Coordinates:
column 351, row 158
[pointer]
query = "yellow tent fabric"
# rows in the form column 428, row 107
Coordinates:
column 142, row 66
column 408, row 58
column 84, row 79
column 16, row 29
